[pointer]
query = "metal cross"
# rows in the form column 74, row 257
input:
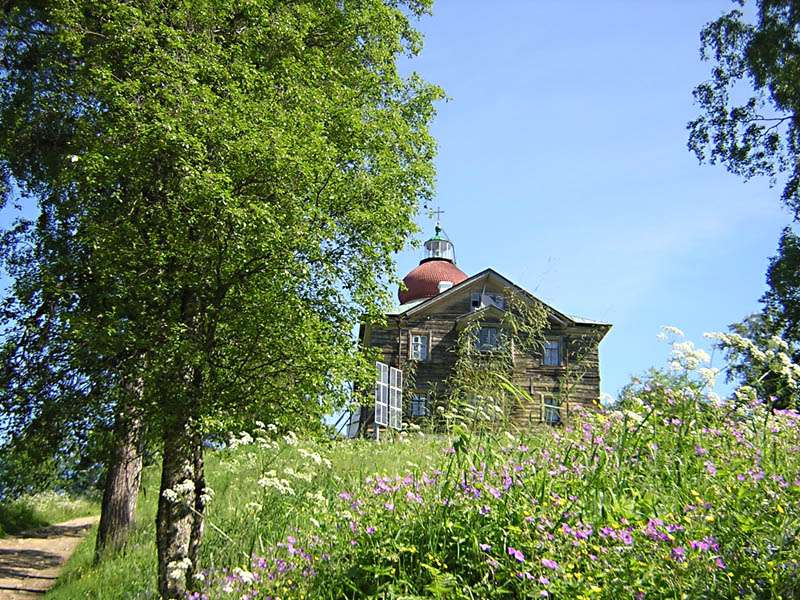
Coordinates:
column 438, row 212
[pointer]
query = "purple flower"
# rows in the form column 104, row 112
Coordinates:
column 484, row 510
column 388, row 506
column 518, row 555
column 345, row 496
column 544, row 580
column 370, row 530
column 678, row 554
column 549, row 564
column 700, row 451
column 484, row 547
column 721, row 563
column 711, row 468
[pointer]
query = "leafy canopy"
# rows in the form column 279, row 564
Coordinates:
column 750, row 107
column 221, row 187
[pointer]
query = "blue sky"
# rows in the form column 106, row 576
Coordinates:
column 563, row 165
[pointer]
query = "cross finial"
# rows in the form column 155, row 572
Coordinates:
column 438, row 212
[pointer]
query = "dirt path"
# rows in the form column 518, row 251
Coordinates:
column 30, row 562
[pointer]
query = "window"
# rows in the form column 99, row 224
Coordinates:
column 419, row 405
column 419, row 346
column 479, row 300
column 395, row 398
column 486, row 338
column 475, row 300
column 552, row 354
column 382, row 394
column 551, row 411
column 495, row 300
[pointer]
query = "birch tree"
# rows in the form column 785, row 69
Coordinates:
column 228, row 182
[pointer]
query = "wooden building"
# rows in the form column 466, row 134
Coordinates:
column 438, row 300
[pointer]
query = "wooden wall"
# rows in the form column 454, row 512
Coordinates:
column 576, row 382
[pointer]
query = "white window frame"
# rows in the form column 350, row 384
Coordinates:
column 382, row 394
column 419, row 405
column 475, row 300
column 551, row 406
column 547, row 351
column 395, row 398
column 419, row 350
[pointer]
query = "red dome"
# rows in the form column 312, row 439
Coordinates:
column 423, row 282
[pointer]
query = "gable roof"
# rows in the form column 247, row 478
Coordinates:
column 414, row 307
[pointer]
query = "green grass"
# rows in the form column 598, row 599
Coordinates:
column 40, row 510
column 675, row 497
column 232, row 474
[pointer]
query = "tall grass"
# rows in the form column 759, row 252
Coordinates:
column 674, row 495
column 39, row 510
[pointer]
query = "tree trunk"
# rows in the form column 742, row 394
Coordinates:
column 179, row 522
column 123, row 479
column 199, row 503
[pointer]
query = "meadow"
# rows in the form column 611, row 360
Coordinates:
column 674, row 496
column 672, row 493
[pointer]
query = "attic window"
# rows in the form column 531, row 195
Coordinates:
column 480, row 300
column 475, row 301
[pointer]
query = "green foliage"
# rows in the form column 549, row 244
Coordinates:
column 221, row 189
column 782, row 300
column 759, row 134
column 476, row 395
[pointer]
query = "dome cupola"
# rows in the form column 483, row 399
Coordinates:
column 436, row 272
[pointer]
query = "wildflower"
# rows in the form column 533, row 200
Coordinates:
column 678, row 554
column 388, row 506
column 549, row 564
column 484, row 547
column 544, row 580
column 699, row 450
column 370, row 530
column 518, row 555
column 484, row 510
column 720, row 563
column 711, row 468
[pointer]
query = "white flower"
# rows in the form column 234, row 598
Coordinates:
column 170, row 495
column 667, row 331
column 291, row 439
column 245, row 576
column 207, row 495
column 185, row 487
column 176, row 569
column 73, row 158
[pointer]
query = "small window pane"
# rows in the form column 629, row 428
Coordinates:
column 419, row 347
column 552, row 354
column 552, row 411
column 419, row 405
column 487, row 338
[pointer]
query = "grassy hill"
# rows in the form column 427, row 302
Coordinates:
column 674, row 497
